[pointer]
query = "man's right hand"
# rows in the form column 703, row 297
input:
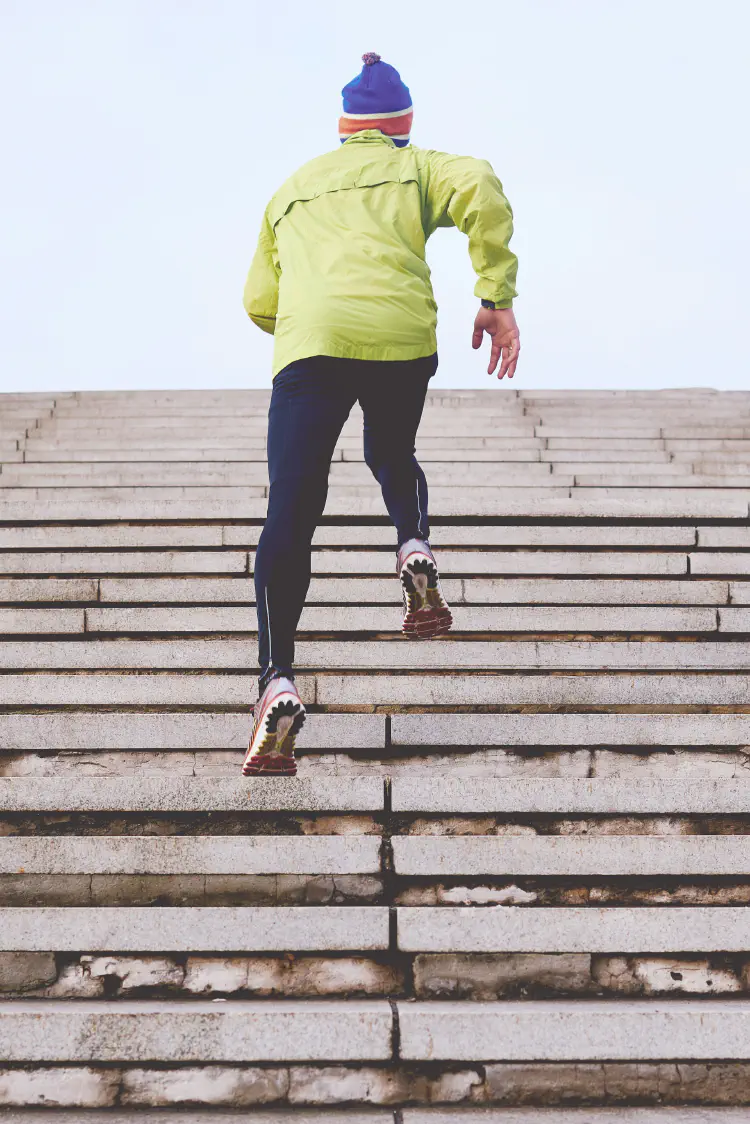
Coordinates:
column 500, row 325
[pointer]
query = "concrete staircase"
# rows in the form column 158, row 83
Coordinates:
column 514, row 871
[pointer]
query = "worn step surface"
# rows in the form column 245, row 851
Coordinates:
column 511, row 882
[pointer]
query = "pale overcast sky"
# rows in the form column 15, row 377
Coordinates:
column 141, row 140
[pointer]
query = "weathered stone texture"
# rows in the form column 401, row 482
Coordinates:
column 300, row 976
column 658, row 975
column 548, row 1084
column 493, row 976
column 78, row 1086
column 25, row 971
column 205, row 1085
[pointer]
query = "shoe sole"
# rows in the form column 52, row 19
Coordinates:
column 271, row 751
column 426, row 613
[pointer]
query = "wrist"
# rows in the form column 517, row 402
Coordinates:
column 495, row 305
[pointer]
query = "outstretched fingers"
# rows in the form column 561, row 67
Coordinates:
column 511, row 350
column 495, row 354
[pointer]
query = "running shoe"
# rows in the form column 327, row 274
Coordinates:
column 279, row 717
column 426, row 613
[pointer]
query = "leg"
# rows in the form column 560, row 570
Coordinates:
column 392, row 405
column 392, row 396
column 310, row 402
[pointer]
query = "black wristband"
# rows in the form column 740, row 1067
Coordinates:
column 489, row 304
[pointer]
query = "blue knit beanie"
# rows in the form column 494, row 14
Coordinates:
column 377, row 99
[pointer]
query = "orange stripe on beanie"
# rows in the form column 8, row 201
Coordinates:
column 398, row 126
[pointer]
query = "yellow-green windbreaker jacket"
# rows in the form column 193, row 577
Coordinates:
column 340, row 266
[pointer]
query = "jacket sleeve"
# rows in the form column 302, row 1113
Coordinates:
column 261, row 297
column 466, row 193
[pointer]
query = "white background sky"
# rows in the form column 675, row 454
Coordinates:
column 141, row 140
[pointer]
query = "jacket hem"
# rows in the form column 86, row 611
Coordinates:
column 355, row 351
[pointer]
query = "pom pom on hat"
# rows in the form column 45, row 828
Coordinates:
column 377, row 99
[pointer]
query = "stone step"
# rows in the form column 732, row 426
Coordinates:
column 113, row 730
column 26, row 621
column 621, row 930
column 348, row 471
column 734, row 620
column 78, row 442
column 551, row 562
column 152, row 653
column 60, row 1081
column 258, row 411
column 430, row 792
column 468, row 562
column 215, row 690
column 222, row 929
column 229, row 854
column 251, row 929
column 605, row 444
column 361, row 591
column 714, row 563
column 631, row 416
column 459, row 1115
column 385, row 1116
column 54, row 537
column 360, row 1030
column 713, row 462
column 36, row 454
column 585, row 471
column 738, row 536
column 618, row 479
column 152, row 561
column 160, row 505
column 707, row 444
column 46, row 590
column 663, row 498
column 513, row 619
column 711, row 429
column 206, row 730
column 574, row 1031
column 550, row 856
column 435, row 793
column 10, row 399
column 506, row 729
column 605, row 455
column 625, row 429
column 194, row 794
column 443, row 496
column 353, row 479
column 80, row 412
column 500, row 689
column 78, row 445
column 662, row 763
column 443, row 486
column 190, row 429
column 198, row 1031
column 435, row 409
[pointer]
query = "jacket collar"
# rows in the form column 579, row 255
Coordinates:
column 369, row 136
